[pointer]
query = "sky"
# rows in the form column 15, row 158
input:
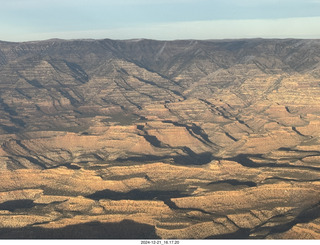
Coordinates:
column 30, row 20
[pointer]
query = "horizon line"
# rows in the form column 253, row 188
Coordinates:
column 157, row 40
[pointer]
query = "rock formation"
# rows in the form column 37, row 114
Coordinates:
column 160, row 139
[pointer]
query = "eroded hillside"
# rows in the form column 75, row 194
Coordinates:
column 156, row 139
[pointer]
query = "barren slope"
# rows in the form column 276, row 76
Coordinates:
column 157, row 139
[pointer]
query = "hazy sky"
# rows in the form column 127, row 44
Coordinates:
column 23, row 20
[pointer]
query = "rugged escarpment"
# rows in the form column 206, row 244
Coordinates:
column 180, row 139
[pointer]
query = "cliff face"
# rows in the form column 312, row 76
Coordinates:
column 180, row 139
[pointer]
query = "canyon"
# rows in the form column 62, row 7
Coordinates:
column 186, row 139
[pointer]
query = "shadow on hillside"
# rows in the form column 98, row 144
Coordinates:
column 135, row 195
column 126, row 229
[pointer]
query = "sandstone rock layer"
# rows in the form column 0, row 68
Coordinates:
column 158, row 139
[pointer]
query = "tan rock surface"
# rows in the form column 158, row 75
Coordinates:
column 181, row 139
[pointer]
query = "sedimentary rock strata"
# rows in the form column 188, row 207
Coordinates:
column 158, row 139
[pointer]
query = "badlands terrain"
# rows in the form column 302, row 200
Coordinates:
column 160, row 139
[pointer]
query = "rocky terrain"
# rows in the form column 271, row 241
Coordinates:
column 160, row 139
